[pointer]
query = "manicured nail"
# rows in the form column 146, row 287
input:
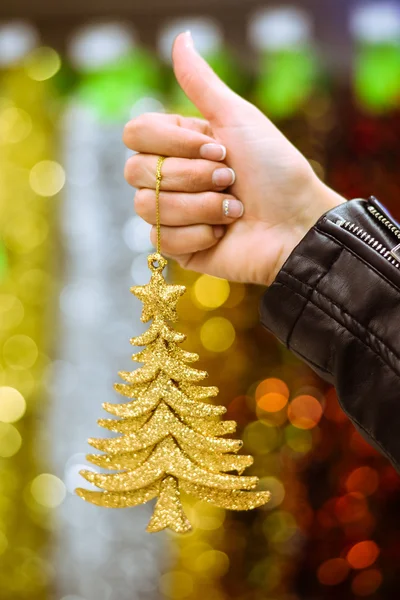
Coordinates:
column 189, row 43
column 213, row 152
column 224, row 177
column 219, row 231
column 233, row 208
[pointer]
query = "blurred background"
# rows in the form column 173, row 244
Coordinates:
column 71, row 74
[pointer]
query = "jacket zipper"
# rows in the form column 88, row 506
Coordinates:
column 385, row 221
column 392, row 256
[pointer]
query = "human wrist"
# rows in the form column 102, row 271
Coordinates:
column 320, row 200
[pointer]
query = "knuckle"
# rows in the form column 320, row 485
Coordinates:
column 142, row 204
column 181, row 147
column 132, row 169
column 139, row 202
column 133, row 130
column 193, row 178
column 210, row 206
column 125, row 133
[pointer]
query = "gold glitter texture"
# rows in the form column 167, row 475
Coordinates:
column 171, row 438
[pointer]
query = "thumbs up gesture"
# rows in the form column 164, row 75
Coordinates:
column 236, row 196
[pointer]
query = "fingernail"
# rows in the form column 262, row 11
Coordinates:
column 233, row 208
column 213, row 152
column 224, row 177
column 189, row 43
column 219, row 231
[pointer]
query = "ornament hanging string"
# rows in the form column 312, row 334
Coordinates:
column 158, row 189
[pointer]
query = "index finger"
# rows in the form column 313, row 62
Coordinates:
column 168, row 135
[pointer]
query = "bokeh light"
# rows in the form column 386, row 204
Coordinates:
column 333, row 571
column 279, row 526
column 48, row 490
column 20, row 352
column 212, row 563
column 305, row 412
column 206, row 516
column 11, row 311
column 210, row 292
column 217, row 334
column 367, row 583
column 42, row 63
column 364, row 480
column 176, row 584
column 363, row 554
column 272, row 402
column 15, row 125
column 260, row 438
column 272, row 385
column 277, row 489
column 10, row 440
column 351, row 507
column 47, row 178
column 299, row 440
column 12, row 404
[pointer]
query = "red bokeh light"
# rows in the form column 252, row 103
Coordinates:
column 367, row 582
column 363, row 554
column 333, row 571
column 305, row 412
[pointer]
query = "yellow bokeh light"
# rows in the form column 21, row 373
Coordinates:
column 260, row 438
column 190, row 550
column 10, row 440
column 12, row 405
column 21, row 379
column 206, row 516
column 11, row 311
column 176, row 584
column 276, row 487
column 299, row 440
column 217, row 334
column 210, row 292
column 43, row 63
column 20, row 352
column 212, row 562
column 280, row 526
column 23, row 235
column 236, row 295
column 48, row 490
column 15, row 125
column 47, row 178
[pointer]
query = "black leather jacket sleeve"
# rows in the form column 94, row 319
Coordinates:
column 336, row 304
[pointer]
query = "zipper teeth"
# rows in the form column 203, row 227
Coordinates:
column 370, row 240
column 385, row 221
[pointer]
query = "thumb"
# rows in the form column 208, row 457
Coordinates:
column 214, row 99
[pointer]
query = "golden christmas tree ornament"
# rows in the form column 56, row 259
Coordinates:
column 171, row 437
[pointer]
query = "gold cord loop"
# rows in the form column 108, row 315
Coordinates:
column 158, row 188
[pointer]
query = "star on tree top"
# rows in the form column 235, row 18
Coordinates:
column 158, row 297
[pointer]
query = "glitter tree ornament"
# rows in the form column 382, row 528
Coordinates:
column 171, row 437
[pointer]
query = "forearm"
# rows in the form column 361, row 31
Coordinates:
column 335, row 303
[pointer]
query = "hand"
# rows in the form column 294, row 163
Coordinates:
column 238, row 149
